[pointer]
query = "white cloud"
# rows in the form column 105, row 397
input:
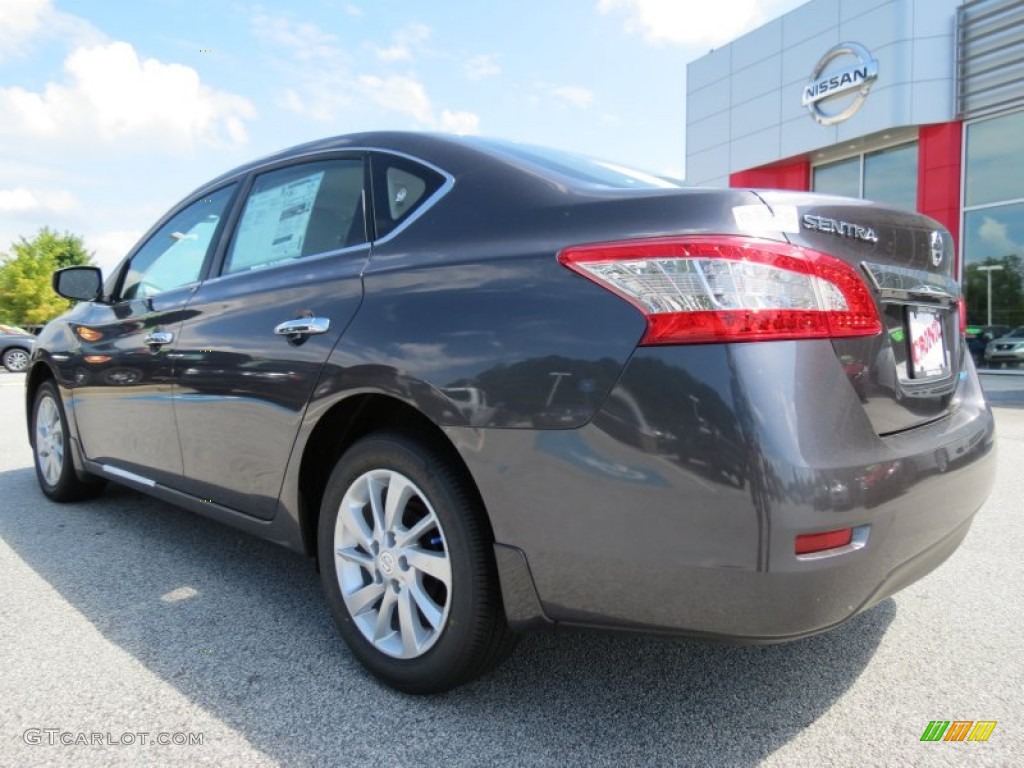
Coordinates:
column 481, row 67
column 574, row 95
column 353, row 10
column 110, row 247
column 335, row 91
column 307, row 42
column 463, row 123
column 685, row 23
column 393, row 53
column 19, row 21
column 22, row 200
column 399, row 93
column 404, row 41
column 996, row 235
column 111, row 93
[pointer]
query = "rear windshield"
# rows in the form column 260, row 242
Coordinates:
column 580, row 168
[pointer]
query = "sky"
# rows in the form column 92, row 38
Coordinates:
column 113, row 110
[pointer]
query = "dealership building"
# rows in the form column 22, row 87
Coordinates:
column 916, row 103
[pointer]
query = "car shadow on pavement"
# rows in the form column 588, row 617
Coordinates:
column 239, row 627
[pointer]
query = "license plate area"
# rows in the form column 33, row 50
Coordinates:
column 928, row 353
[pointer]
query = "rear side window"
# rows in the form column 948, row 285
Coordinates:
column 400, row 188
column 300, row 211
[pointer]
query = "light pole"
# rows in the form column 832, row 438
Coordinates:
column 988, row 273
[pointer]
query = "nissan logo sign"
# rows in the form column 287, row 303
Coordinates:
column 823, row 89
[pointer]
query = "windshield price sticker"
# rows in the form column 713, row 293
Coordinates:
column 928, row 353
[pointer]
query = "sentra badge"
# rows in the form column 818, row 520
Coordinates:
column 841, row 228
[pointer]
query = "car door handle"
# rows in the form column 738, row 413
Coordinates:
column 159, row 338
column 303, row 326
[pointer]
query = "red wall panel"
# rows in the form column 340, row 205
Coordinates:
column 794, row 175
column 939, row 174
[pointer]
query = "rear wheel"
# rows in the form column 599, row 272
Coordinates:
column 50, row 447
column 15, row 360
column 408, row 567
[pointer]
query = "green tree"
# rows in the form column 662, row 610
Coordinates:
column 25, row 273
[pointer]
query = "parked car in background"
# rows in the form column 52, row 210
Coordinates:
column 1007, row 349
column 16, row 345
column 495, row 388
column 978, row 337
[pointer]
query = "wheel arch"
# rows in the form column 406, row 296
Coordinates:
column 345, row 423
column 37, row 374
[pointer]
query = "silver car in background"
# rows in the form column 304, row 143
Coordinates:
column 1008, row 349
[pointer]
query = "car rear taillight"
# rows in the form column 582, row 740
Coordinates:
column 961, row 306
column 710, row 288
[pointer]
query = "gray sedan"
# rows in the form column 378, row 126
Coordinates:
column 494, row 389
column 1006, row 349
column 16, row 345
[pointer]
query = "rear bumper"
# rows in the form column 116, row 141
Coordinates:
column 677, row 507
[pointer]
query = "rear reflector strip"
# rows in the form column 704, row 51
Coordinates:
column 716, row 288
column 808, row 543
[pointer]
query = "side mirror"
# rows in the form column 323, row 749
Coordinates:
column 78, row 283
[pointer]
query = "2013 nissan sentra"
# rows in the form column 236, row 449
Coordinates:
column 494, row 388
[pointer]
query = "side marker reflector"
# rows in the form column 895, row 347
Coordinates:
column 808, row 543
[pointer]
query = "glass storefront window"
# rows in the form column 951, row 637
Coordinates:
column 887, row 176
column 994, row 236
column 890, row 176
column 841, row 178
column 995, row 160
column 993, row 223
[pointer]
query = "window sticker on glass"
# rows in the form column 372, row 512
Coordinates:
column 274, row 224
column 928, row 353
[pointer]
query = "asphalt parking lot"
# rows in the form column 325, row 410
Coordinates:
column 124, row 616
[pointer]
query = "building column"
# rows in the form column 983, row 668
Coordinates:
column 939, row 175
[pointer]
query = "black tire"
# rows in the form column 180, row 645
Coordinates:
column 65, row 485
column 15, row 360
column 474, row 636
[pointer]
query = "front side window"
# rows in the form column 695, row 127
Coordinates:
column 175, row 255
column 299, row 211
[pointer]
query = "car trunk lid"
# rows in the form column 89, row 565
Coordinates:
column 907, row 375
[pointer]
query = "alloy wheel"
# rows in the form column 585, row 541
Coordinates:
column 16, row 360
column 392, row 564
column 49, row 440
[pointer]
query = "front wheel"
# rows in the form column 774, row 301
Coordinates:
column 50, row 447
column 408, row 567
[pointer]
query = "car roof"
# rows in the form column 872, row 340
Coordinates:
column 440, row 149
column 456, row 155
